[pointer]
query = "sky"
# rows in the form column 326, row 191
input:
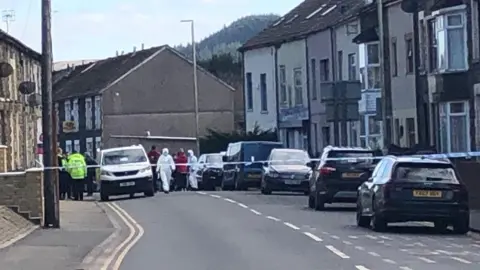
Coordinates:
column 96, row 29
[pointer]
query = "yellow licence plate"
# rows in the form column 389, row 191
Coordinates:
column 256, row 176
column 351, row 175
column 427, row 193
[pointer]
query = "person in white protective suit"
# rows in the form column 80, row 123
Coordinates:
column 165, row 167
column 192, row 165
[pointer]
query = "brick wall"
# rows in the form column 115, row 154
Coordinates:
column 23, row 190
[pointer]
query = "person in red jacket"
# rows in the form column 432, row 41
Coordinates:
column 153, row 156
column 181, row 171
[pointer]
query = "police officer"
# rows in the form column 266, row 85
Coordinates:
column 77, row 168
column 63, row 176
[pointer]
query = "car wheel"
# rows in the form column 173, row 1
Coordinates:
column 132, row 195
column 265, row 190
column 311, row 202
column 319, row 202
column 440, row 226
column 362, row 221
column 461, row 225
column 150, row 192
column 379, row 224
column 103, row 196
column 224, row 186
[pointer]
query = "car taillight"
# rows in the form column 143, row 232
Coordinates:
column 326, row 170
column 387, row 189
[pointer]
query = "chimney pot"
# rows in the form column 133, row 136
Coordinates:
column 134, row 48
column 117, row 53
column 143, row 46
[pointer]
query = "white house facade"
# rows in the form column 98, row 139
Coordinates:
column 293, row 112
column 260, row 85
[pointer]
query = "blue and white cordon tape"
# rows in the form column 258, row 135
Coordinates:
column 252, row 161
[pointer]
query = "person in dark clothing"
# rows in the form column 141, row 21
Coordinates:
column 153, row 156
column 63, row 176
column 91, row 171
column 181, row 171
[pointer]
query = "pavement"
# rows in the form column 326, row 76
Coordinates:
column 84, row 225
column 13, row 227
column 247, row 230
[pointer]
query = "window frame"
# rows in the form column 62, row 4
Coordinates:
column 298, row 88
column 98, row 112
column 67, row 112
column 352, row 67
column 313, row 81
column 444, row 110
column 340, row 65
column 324, row 69
column 263, row 93
column 249, row 90
column 365, row 66
column 409, row 57
column 88, row 113
column 394, row 52
column 76, row 113
column 282, row 83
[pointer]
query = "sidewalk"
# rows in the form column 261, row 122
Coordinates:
column 84, row 225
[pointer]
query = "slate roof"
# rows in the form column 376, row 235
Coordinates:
column 305, row 19
column 19, row 45
column 92, row 78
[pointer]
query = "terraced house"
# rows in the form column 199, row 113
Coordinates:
column 19, row 103
column 143, row 96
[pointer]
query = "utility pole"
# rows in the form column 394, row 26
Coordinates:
column 386, row 132
column 195, row 81
column 8, row 16
column 52, row 219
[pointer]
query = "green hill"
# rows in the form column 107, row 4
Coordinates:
column 230, row 38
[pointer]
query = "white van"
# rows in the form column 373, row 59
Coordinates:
column 124, row 170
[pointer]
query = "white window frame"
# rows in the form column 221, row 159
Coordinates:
column 68, row 147
column 98, row 112
column 298, row 86
column 77, row 146
column 89, row 142
column 444, row 111
column 313, row 81
column 88, row 113
column 263, row 89
column 441, row 19
column 365, row 66
column 282, row 82
column 369, row 136
column 75, row 113
column 352, row 67
column 67, row 105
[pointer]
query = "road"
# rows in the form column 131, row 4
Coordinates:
column 247, row 230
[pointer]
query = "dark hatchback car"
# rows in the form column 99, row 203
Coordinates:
column 405, row 189
column 338, row 175
column 286, row 170
column 210, row 171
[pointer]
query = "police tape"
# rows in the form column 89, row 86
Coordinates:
column 353, row 159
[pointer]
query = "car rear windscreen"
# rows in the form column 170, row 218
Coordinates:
column 259, row 151
column 351, row 157
column 425, row 172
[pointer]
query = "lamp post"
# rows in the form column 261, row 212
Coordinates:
column 195, row 82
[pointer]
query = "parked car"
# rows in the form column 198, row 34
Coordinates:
column 244, row 165
column 414, row 189
column 338, row 175
column 124, row 170
column 209, row 171
column 286, row 170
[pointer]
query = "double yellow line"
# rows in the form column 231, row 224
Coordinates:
column 115, row 259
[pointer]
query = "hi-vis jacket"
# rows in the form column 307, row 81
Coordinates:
column 76, row 166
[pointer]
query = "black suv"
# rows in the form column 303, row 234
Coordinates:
column 339, row 173
column 405, row 189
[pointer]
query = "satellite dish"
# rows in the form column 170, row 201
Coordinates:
column 26, row 88
column 5, row 70
column 410, row 6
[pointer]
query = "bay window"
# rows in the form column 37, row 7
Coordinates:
column 448, row 40
column 369, row 63
column 370, row 132
column 454, row 126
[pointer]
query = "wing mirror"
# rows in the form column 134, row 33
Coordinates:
column 265, row 164
column 224, row 158
column 370, row 179
column 311, row 164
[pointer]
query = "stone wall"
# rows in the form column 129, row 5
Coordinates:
column 23, row 191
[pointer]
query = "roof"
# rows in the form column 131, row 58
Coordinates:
column 346, row 148
column 309, row 17
column 122, row 148
column 93, row 78
column 65, row 64
column 19, row 45
column 420, row 160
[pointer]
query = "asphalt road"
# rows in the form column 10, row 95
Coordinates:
column 247, row 230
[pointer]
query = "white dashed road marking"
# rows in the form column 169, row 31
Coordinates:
column 371, row 237
column 255, row 212
column 335, row 237
column 347, row 243
column 230, row 200
column 201, row 193
column 389, row 261
column 405, row 268
column 426, row 260
column 461, row 260
column 313, row 236
column 291, row 226
column 360, row 248
column 215, row 196
column 361, row 267
column 353, row 237
column 337, row 252
column 273, row 218
column 242, row 205
column 374, row 254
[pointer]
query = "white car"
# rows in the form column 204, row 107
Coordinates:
column 124, row 170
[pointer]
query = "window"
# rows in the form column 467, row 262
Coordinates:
column 68, row 110
column 454, row 126
column 394, row 57
column 88, row 113
column 397, row 131
column 352, row 67
column 98, row 143
column 449, row 31
column 98, row 112
column 409, row 54
column 89, row 146
column 76, row 146
column 340, row 65
column 432, row 46
column 326, row 135
column 68, row 147
column 249, row 92
column 353, row 131
column 75, row 113
column 263, row 92
column 411, row 132
column 324, row 70
column 370, row 132
column 282, row 76
column 369, row 62
column 298, row 82
column 313, row 82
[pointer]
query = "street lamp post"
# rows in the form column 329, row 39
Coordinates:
column 195, row 82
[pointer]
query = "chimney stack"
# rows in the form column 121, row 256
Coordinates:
column 121, row 53
column 143, row 46
column 117, row 53
column 134, row 48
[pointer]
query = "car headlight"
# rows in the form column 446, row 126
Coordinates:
column 106, row 173
column 146, row 169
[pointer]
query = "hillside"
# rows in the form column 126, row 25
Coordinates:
column 231, row 37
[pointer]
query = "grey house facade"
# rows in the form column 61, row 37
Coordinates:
column 145, row 92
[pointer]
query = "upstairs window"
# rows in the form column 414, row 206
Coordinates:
column 369, row 60
column 263, row 92
column 88, row 113
column 98, row 112
column 282, row 77
column 297, row 73
column 249, row 85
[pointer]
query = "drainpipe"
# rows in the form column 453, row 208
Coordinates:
column 275, row 68
column 336, row 127
column 309, row 122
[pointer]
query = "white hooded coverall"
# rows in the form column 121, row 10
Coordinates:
column 165, row 167
column 192, row 161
